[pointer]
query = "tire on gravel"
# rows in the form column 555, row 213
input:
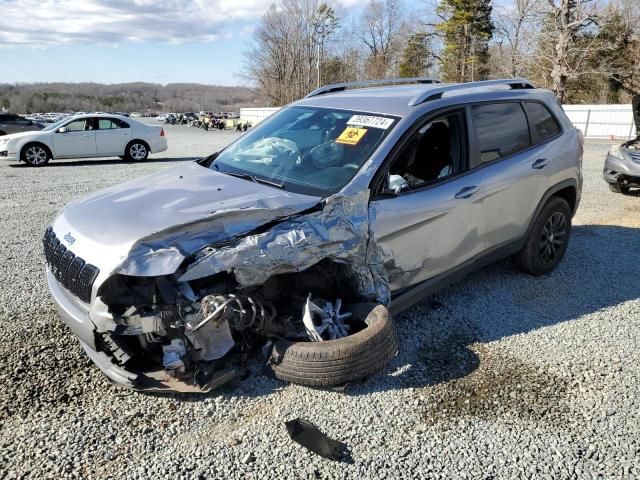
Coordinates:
column 529, row 259
column 35, row 154
column 137, row 151
column 336, row 362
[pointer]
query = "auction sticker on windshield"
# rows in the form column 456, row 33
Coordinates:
column 370, row 121
column 351, row 136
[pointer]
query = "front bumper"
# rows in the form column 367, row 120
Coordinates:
column 616, row 170
column 76, row 315
column 5, row 154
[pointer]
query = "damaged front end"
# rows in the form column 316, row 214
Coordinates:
column 196, row 328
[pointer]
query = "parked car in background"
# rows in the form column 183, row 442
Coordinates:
column 622, row 165
column 11, row 123
column 309, row 226
column 85, row 136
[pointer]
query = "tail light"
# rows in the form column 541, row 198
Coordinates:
column 162, row 132
column 580, row 136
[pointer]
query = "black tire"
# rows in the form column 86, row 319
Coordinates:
column 617, row 188
column 2, row 133
column 548, row 239
column 137, row 151
column 35, row 154
column 336, row 362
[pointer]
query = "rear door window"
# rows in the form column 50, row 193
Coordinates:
column 106, row 124
column 501, row 130
column 543, row 123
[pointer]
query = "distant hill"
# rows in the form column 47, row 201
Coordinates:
column 124, row 97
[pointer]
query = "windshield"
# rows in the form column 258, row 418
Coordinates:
column 314, row 151
column 54, row 126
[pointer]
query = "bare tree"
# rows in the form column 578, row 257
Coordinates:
column 379, row 30
column 569, row 18
column 515, row 35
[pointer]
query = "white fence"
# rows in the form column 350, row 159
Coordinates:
column 602, row 121
column 256, row 115
column 595, row 121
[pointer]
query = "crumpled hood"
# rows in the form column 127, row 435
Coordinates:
column 153, row 222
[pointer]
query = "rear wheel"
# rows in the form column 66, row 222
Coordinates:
column 35, row 154
column 137, row 151
column 617, row 188
column 548, row 239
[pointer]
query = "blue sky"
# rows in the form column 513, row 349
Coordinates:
column 114, row 41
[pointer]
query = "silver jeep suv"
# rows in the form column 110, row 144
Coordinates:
column 301, row 238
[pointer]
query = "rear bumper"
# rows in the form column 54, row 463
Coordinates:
column 158, row 145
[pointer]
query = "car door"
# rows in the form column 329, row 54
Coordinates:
column 509, row 170
column 112, row 135
column 75, row 139
column 431, row 225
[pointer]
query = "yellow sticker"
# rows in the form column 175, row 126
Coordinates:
column 351, row 136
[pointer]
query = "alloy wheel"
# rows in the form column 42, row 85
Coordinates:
column 36, row 155
column 552, row 238
column 138, row 151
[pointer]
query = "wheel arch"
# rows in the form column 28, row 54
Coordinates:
column 567, row 190
column 28, row 143
column 136, row 140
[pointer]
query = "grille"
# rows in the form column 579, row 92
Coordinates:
column 72, row 272
column 635, row 156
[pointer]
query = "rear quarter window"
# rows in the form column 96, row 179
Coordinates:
column 501, row 130
column 543, row 124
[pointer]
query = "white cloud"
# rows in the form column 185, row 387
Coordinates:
column 42, row 23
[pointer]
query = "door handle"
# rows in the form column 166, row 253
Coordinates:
column 466, row 192
column 539, row 163
column 87, row 134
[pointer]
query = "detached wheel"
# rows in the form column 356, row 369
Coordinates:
column 137, row 151
column 617, row 188
column 548, row 239
column 35, row 154
column 336, row 362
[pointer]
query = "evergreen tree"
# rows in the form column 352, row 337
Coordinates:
column 466, row 30
column 417, row 56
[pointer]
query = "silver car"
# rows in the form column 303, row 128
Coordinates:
column 622, row 165
column 302, row 238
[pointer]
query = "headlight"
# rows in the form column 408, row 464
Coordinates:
column 616, row 152
column 4, row 141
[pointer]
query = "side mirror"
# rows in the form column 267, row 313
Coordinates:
column 63, row 130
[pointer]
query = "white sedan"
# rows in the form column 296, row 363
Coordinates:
column 85, row 136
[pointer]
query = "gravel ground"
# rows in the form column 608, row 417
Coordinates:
column 499, row 376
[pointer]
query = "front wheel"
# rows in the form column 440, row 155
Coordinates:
column 35, row 154
column 548, row 239
column 137, row 151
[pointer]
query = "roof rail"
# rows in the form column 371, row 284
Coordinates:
column 437, row 92
column 338, row 87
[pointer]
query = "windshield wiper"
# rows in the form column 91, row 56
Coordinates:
column 253, row 178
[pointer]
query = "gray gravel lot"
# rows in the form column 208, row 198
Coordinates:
column 499, row 376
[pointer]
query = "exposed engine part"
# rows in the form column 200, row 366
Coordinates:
column 211, row 342
column 323, row 321
column 242, row 312
column 173, row 354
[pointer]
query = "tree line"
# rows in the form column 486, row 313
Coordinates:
column 125, row 97
column 586, row 51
